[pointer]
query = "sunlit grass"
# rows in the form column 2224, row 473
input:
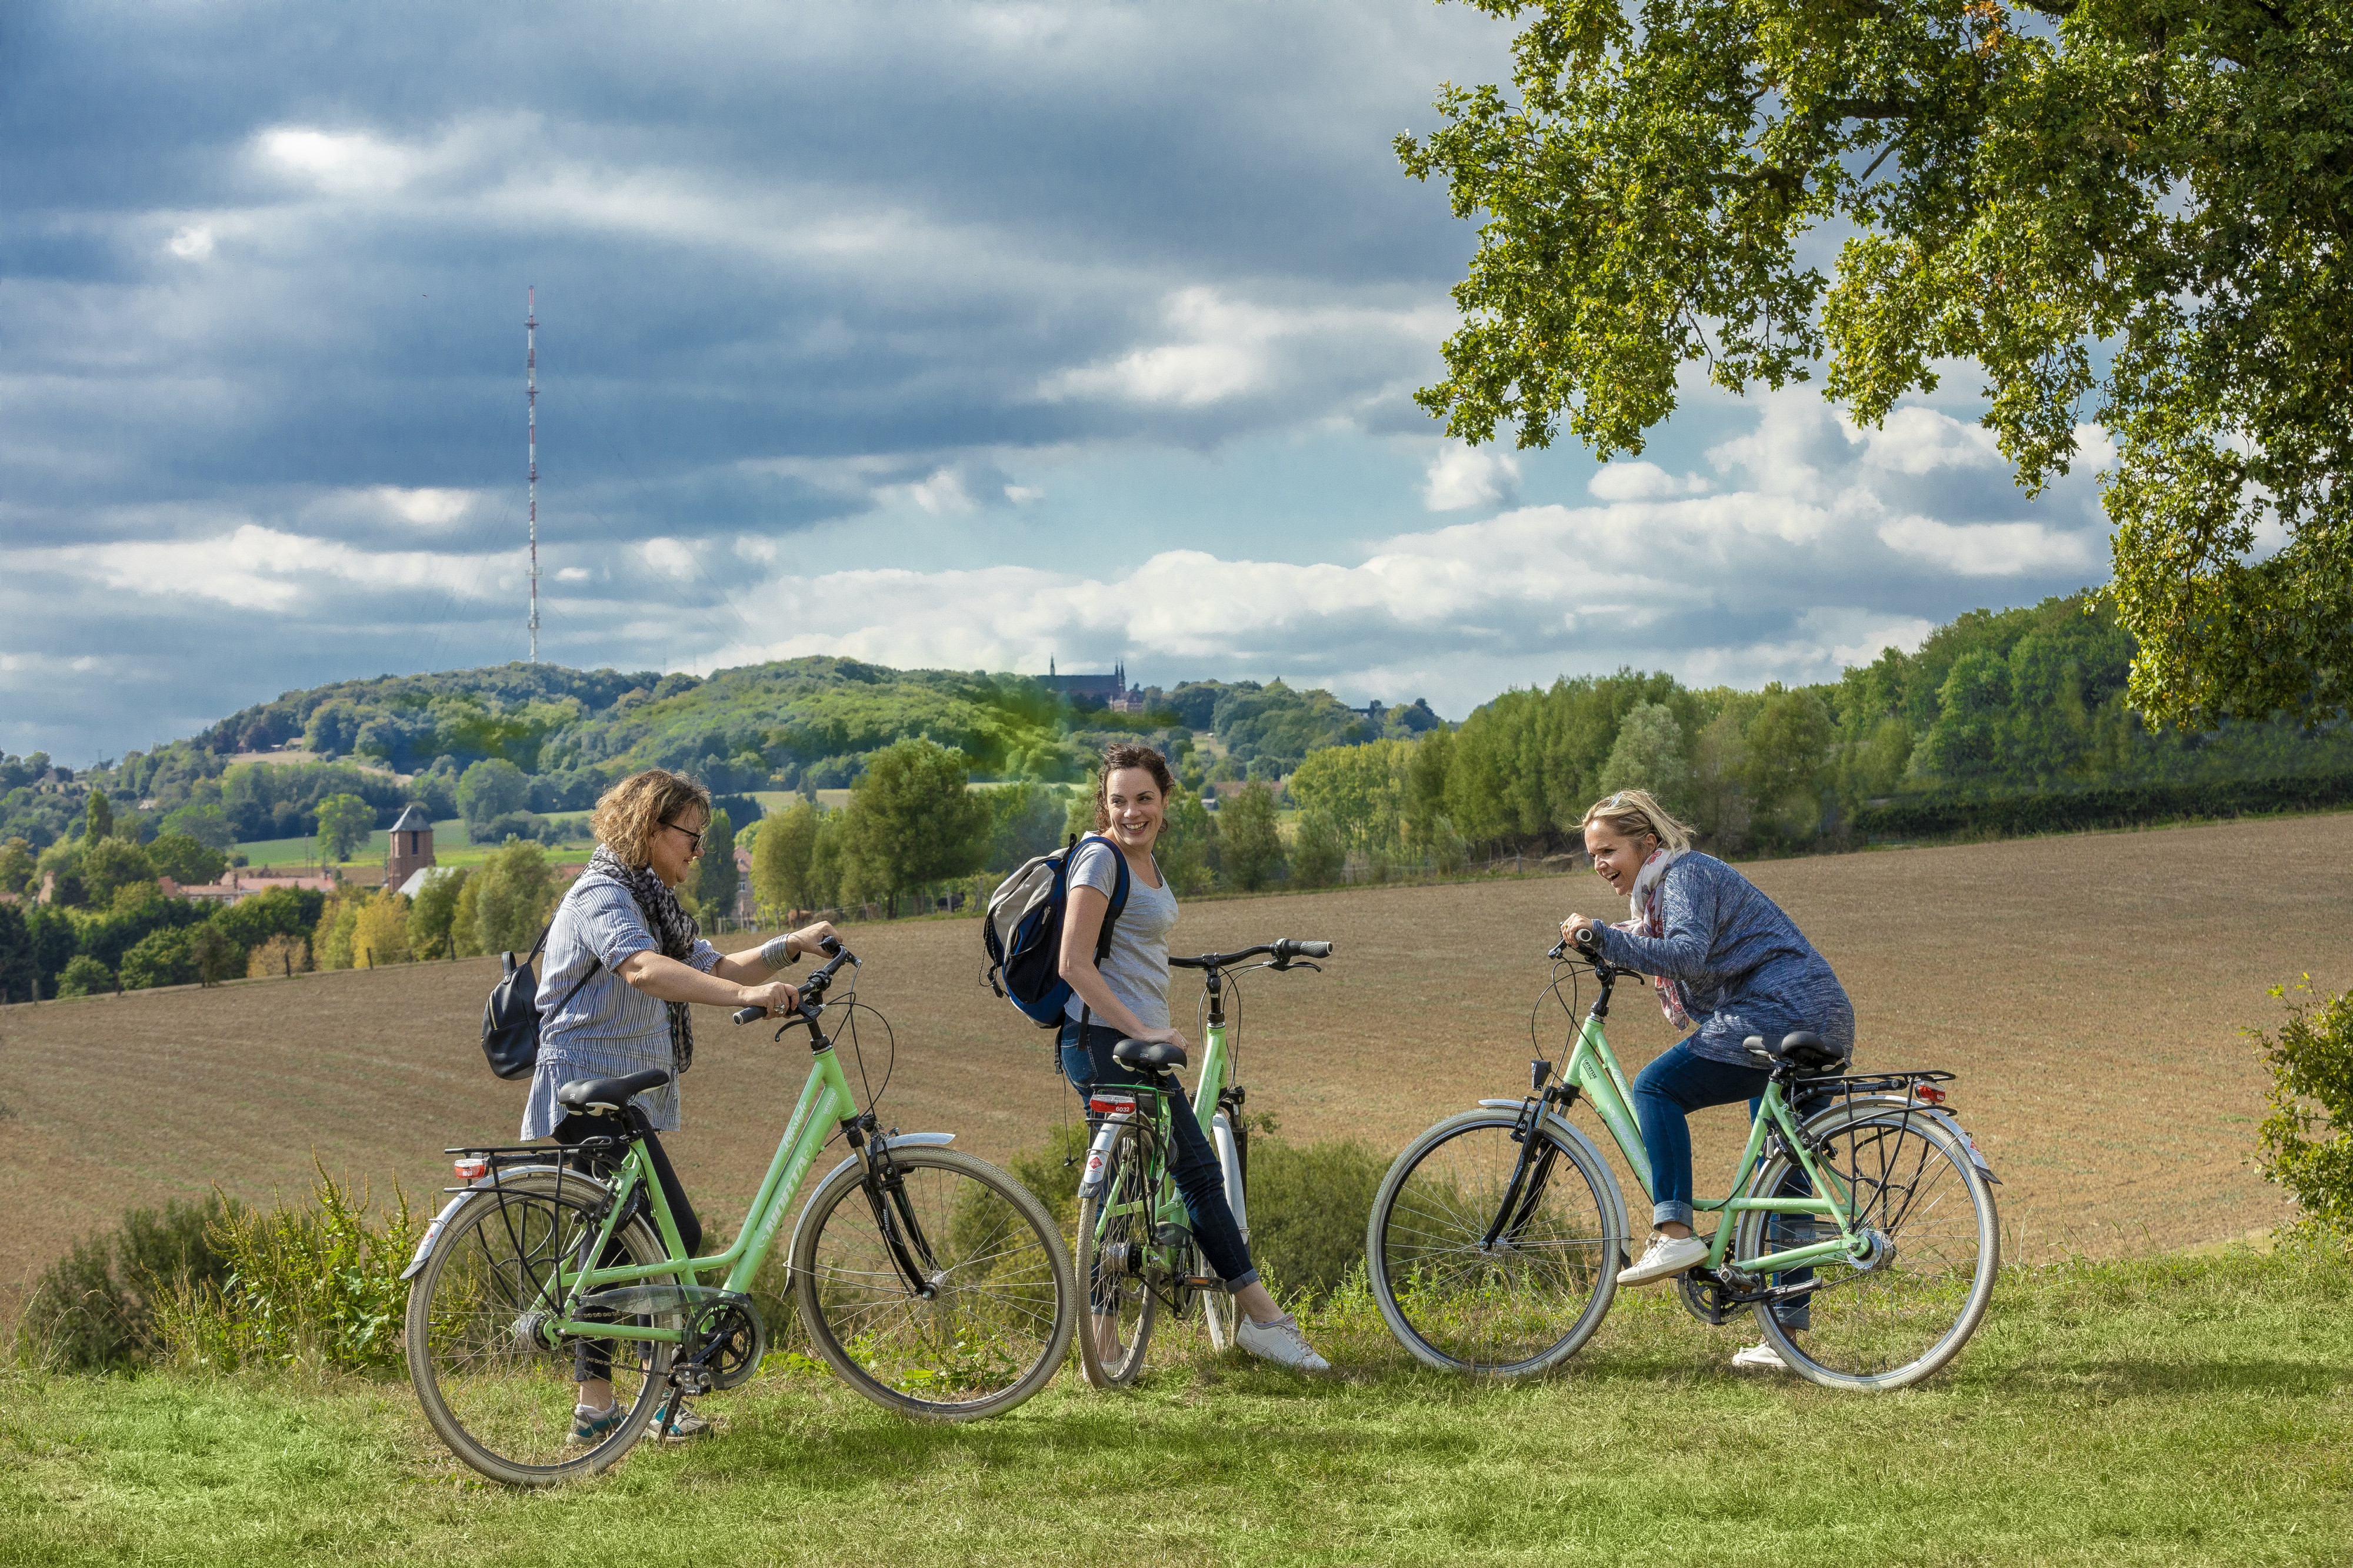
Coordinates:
column 2192, row 1409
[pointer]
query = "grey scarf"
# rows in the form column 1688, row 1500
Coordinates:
column 673, row 933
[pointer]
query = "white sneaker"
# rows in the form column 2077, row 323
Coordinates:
column 1280, row 1341
column 1759, row 1358
column 1668, row 1256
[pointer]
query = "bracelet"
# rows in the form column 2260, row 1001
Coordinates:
column 778, row 951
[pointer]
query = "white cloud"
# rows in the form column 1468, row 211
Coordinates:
column 1229, row 348
column 426, row 508
column 350, row 163
column 671, row 557
column 941, row 495
column 572, row 574
column 1642, row 481
column 192, row 243
column 1987, row 548
column 257, row 568
column 1465, row 476
column 1917, row 440
column 1022, row 495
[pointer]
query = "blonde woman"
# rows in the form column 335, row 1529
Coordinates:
column 1728, row 963
column 621, row 938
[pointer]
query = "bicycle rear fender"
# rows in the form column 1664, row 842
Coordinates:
column 1570, row 1134
column 1898, row 1102
column 433, row 1231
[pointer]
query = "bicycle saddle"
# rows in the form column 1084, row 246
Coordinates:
column 586, row 1094
column 1153, row 1056
column 1807, row 1049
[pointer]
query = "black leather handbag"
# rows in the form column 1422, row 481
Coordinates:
column 510, row 1017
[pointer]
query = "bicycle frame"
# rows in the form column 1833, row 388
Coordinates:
column 1593, row 1070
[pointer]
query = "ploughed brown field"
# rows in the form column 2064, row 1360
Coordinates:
column 2090, row 991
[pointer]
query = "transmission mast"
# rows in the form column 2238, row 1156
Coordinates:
column 530, row 397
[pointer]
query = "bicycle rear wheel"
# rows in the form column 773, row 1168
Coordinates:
column 1909, row 1308
column 987, row 1319
column 490, row 1386
column 1115, row 1248
column 1511, row 1307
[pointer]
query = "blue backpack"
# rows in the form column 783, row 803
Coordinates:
column 1023, row 934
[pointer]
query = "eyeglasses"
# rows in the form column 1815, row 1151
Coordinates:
column 696, row 846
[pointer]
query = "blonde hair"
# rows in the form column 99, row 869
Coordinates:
column 1634, row 812
column 631, row 812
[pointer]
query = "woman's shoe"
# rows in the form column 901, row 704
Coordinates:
column 1280, row 1341
column 1669, row 1255
column 1759, row 1358
column 688, row 1424
column 590, row 1427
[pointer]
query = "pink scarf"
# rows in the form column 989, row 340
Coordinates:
column 1643, row 904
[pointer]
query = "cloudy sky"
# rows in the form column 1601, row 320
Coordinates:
column 934, row 334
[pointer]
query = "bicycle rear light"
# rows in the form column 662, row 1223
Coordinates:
column 472, row 1168
column 1929, row 1092
column 1110, row 1105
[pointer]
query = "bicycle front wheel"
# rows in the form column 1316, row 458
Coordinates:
column 945, row 1295
column 490, row 1386
column 1116, row 1251
column 1905, row 1308
column 1480, row 1265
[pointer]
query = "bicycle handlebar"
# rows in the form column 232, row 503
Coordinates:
column 1283, row 951
column 813, row 989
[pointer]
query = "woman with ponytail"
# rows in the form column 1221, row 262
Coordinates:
column 1726, row 963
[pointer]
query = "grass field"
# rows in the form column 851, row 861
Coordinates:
column 2184, row 1410
column 2089, row 991
column 450, row 848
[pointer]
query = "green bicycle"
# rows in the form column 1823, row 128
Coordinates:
column 932, row 1282
column 1135, row 1250
column 1863, row 1239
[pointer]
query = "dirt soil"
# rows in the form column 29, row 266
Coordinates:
column 2089, row 990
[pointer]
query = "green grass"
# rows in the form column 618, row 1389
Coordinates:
column 450, row 848
column 2192, row 1409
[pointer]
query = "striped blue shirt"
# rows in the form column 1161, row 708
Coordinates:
column 610, row 1027
column 1744, row 967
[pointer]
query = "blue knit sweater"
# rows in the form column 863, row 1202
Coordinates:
column 1744, row 967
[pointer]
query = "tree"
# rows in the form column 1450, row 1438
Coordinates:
column 911, row 821
column 110, row 864
column 345, row 821
column 1024, row 820
column 1648, row 754
column 716, row 875
column 97, row 816
column 159, row 958
column 2136, row 203
column 185, row 859
column 433, row 911
column 215, row 957
column 1788, row 745
column 207, row 825
column 1359, row 792
column 1187, row 842
column 489, row 790
column 16, row 872
column 19, row 976
column 380, row 933
column 512, row 893
column 85, row 976
column 1248, row 845
column 780, row 860
column 1318, row 850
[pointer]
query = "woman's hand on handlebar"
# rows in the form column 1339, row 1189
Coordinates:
column 1571, row 927
column 811, row 940
column 774, row 999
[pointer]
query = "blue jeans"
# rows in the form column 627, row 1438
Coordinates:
column 1679, row 1082
column 1192, row 1163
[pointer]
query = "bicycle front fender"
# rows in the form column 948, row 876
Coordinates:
column 433, row 1232
column 902, row 1140
column 1570, row 1133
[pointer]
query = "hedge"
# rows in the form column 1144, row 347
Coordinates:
column 2120, row 805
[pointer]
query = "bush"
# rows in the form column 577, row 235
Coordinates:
column 2305, row 1144
column 94, row 1309
column 1308, row 1209
column 85, row 976
column 160, row 958
column 317, row 1285
column 279, row 955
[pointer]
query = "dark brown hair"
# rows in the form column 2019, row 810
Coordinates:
column 1130, row 755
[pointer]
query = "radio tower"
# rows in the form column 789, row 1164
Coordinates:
column 531, row 395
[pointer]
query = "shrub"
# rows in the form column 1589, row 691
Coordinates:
column 1052, row 1169
column 317, row 1285
column 1308, row 1209
column 380, row 936
column 94, row 1309
column 159, row 958
column 2305, row 1144
column 84, row 977
column 279, row 955
column 217, row 958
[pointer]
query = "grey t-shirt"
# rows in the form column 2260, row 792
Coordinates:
column 1136, row 967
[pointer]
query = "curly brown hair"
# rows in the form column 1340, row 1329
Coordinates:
column 1129, row 755
column 628, row 813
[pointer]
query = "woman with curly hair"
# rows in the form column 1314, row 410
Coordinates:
column 627, row 962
